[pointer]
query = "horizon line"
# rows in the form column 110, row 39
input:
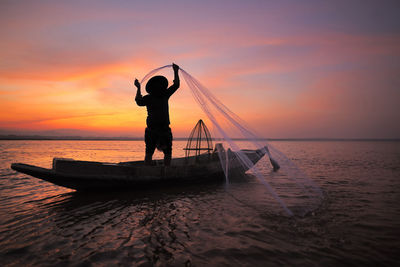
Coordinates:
column 125, row 138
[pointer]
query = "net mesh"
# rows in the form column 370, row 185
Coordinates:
column 237, row 136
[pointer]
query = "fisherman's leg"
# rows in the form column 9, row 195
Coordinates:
column 168, row 148
column 148, row 159
column 150, row 146
column 167, row 157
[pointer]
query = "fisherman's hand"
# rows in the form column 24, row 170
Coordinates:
column 175, row 67
column 137, row 83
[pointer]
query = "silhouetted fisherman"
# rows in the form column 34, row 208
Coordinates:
column 158, row 133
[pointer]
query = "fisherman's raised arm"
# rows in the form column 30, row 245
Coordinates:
column 176, row 83
column 139, row 98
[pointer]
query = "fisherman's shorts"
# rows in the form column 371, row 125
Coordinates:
column 158, row 138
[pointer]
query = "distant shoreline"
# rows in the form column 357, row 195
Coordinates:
column 80, row 138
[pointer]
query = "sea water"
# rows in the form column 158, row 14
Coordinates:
column 356, row 223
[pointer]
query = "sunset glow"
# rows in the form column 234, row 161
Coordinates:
column 298, row 69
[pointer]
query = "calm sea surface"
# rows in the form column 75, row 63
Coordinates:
column 356, row 223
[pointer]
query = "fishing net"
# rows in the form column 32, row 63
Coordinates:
column 235, row 135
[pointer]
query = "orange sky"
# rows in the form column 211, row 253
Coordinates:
column 289, row 70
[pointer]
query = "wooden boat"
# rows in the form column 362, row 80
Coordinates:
column 89, row 175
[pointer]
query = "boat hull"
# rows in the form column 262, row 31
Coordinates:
column 134, row 178
column 90, row 176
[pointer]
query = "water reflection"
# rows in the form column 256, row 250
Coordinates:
column 143, row 226
column 96, row 203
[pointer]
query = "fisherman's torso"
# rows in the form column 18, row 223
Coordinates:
column 157, row 111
